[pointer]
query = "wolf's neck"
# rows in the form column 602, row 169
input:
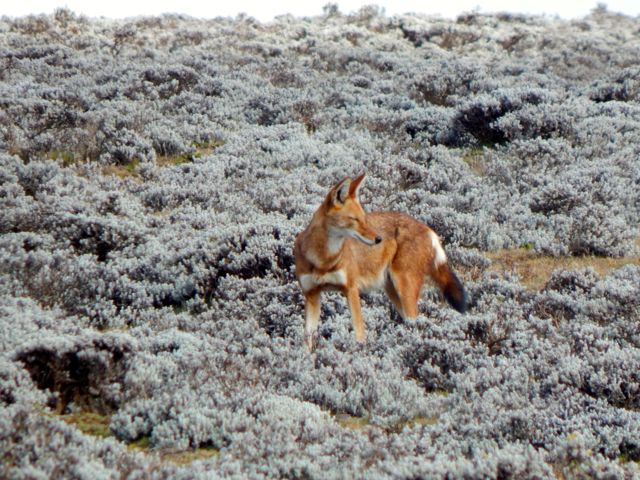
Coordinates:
column 334, row 242
column 325, row 247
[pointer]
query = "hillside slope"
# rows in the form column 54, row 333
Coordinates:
column 155, row 171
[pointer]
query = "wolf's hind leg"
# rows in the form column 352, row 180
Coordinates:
column 393, row 296
column 407, row 290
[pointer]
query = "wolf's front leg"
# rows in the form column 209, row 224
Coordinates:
column 312, row 316
column 353, row 298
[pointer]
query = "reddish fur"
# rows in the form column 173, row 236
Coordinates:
column 399, row 263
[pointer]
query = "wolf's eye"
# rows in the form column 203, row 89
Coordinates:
column 353, row 218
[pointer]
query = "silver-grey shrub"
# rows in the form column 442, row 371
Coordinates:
column 154, row 173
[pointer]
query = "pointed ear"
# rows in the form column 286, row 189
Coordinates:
column 340, row 192
column 354, row 188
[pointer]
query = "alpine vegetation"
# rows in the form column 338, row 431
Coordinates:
column 154, row 175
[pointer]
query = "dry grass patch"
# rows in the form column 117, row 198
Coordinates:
column 66, row 159
column 95, row 424
column 129, row 170
column 189, row 456
column 89, row 423
column 475, row 159
column 173, row 160
column 415, row 422
column 200, row 149
column 352, row 422
column 178, row 457
column 535, row 269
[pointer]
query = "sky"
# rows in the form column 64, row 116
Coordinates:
column 265, row 10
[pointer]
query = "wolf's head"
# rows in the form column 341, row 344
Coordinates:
column 345, row 215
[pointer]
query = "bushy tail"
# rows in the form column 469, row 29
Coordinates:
column 451, row 287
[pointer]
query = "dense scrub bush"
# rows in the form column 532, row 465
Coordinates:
column 154, row 173
column 81, row 373
column 30, row 441
column 623, row 87
column 510, row 114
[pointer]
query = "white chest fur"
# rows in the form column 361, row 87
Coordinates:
column 312, row 280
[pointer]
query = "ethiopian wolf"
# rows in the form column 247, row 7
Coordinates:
column 346, row 249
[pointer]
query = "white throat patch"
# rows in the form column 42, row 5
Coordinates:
column 335, row 242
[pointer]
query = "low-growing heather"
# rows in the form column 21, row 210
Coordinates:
column 154, row 173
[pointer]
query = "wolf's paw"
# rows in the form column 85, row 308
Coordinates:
column 311, row 340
